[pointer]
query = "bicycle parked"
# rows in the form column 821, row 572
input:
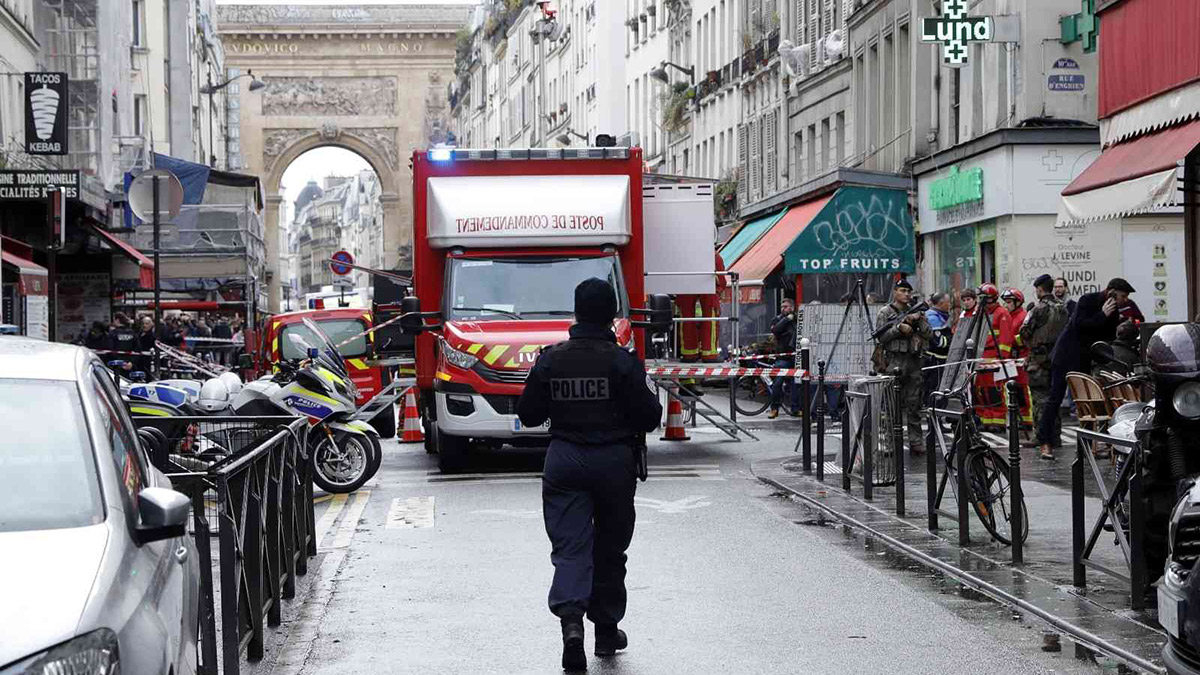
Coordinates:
column 753, row 395
column 987, row 471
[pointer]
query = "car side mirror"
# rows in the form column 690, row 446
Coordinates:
column 162, row 514
column 411, row 323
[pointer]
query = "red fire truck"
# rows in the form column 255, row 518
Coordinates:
column 501, row 239
column 339, row 324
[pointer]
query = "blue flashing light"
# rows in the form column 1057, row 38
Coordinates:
column 441, row 154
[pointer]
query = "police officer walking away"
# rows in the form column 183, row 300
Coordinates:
column 599, row 401
column 903, row 347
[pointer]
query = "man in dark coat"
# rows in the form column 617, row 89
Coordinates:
column 1095, row 319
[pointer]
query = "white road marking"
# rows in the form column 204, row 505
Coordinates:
column 345, row 531
column 676, row 506
column 665, row 472
column 528, row 514
column 411, row 513
column 328, row 518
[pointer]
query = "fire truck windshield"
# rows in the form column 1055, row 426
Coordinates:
column 337, row 330
column 525, row 288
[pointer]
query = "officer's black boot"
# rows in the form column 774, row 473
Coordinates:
column 573, row 657
column 610, row 639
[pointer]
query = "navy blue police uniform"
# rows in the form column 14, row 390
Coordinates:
column 599, row 401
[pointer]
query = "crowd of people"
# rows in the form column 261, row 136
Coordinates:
column 136, row 337
column 1034, row 344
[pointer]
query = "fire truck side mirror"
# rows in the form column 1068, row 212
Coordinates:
column 412, row 323
column 661, row 312
column 245, row 362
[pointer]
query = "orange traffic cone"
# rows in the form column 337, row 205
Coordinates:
column 412, row 419
column 675, row 430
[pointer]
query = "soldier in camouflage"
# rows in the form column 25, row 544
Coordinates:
column 1040, row 331
column 902, row 348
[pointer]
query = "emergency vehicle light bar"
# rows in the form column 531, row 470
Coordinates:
column 465, row 154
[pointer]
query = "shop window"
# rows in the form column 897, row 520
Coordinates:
column 957, row 259
column 837, row 288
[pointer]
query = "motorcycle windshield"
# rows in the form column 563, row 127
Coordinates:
column 329, row 356
column 1175, row 349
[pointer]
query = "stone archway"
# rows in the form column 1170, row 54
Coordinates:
column 371, row 79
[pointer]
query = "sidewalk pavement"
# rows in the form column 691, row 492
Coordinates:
column 1097, row 616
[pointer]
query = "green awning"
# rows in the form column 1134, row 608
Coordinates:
column 745, row 238
column 860, row 230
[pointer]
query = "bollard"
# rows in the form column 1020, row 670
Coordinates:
column 868, row 450
column 1138, row 574
column 1078, row 571
column 898, row 439
column 932, row 450
column 961, row 448
column 821, row 421
column 1014, row 472
column 806, row 418
column 846, row 443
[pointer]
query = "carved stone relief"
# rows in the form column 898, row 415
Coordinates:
column 276, row 141
column 382, row 139
column 328, row 96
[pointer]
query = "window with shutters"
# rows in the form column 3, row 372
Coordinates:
column 815, row 33
column 756, row 159
column 770, row 154
column 743, row 151
column 800, row 37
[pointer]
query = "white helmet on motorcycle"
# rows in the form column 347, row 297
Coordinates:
column 232, row 382
column 214, row 396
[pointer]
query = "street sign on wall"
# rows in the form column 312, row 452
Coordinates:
column 46, row 113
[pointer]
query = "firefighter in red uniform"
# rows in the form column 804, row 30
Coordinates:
column 700, row 337
column 1014, row 302
column 989, row 392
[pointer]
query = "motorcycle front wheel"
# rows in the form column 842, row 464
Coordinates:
column 341, row 467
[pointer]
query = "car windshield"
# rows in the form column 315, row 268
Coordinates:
column 51, row 449
column 525, row 288
column 337, row 330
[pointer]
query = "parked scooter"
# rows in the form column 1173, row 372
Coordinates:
column 345, row 453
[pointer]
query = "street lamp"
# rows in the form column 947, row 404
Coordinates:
column 565, row 137
column 210, row 90
column 660, row 73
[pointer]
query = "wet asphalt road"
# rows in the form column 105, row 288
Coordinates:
column 450, row 576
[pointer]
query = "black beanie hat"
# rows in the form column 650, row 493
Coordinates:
column 595, row 302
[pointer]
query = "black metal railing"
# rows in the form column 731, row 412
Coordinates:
column 1126, row 520
column 260, row 506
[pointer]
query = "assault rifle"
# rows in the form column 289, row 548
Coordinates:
column 882, row 330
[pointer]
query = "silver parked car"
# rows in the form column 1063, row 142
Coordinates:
column 97, row 573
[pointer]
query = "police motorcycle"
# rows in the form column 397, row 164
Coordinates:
column 345, row 453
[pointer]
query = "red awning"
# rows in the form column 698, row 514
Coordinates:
column 766, row 254
column 32, row 278
column 1131, row 177
column 145, row 265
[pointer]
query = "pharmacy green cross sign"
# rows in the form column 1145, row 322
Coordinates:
column 955, row 30
column 1082, row 27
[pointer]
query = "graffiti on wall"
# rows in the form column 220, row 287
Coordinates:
column 860, row 230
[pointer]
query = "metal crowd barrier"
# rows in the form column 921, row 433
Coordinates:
column 263, row 518
column 1128, row 522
